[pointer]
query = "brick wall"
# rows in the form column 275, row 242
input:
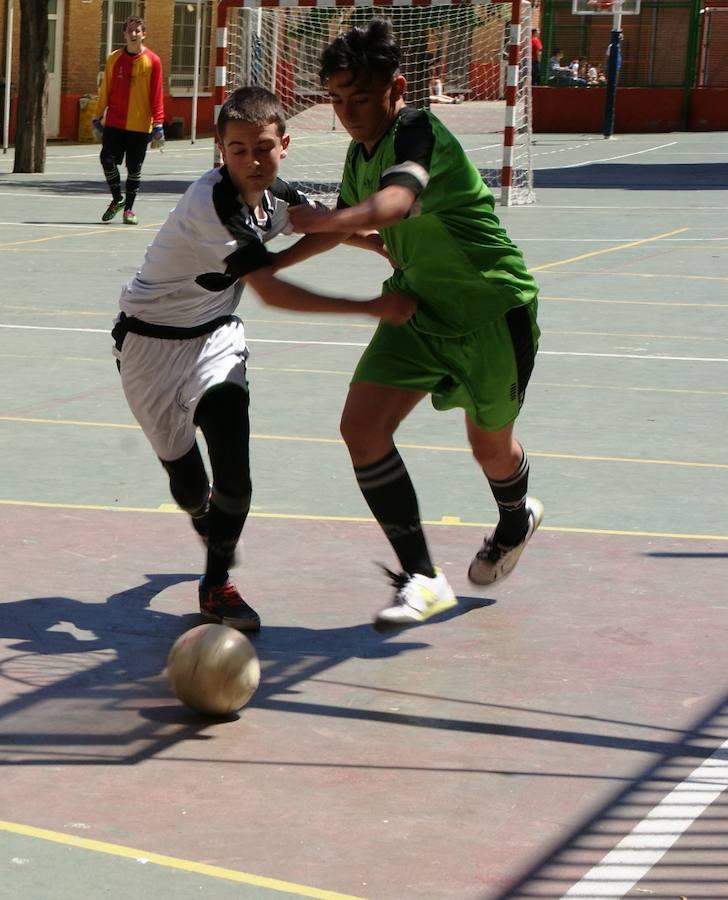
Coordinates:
column 82, row 31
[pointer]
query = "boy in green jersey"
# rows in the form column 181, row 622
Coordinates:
column 472, row 341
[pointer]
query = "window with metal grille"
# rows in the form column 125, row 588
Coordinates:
column 182, row 70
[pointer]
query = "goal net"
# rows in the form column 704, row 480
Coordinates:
column 468, row 62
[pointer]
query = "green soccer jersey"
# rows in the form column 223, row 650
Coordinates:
column 451, row 251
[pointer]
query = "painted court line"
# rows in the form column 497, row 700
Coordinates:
column 307, row 343
column 563, row 262
column 437, row 448
column 592, row 162
column 172, row 862
column 633, row 857
column 450, row 521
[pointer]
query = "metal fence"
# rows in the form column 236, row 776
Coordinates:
column 713, row 54
column 659, row 46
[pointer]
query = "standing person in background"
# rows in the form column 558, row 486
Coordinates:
column 131, row 113
column 536, row 51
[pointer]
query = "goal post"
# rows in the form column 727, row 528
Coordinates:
column 467, row 61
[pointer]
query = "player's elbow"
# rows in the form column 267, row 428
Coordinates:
column 264, row 283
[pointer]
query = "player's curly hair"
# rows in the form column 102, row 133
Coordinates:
column 371, row 52
column 252, row 104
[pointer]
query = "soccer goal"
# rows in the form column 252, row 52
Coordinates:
column 467, row 61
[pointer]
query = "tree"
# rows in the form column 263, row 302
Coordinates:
column 30, row 130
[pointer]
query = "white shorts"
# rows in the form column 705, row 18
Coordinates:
column 164, row 380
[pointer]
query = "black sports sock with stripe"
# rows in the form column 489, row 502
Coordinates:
column 389, row 492
column 510, row 495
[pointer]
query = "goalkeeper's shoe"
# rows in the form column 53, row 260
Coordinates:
column 494, row 562
column 416, row 598
column 130, row 217
column 112, row 209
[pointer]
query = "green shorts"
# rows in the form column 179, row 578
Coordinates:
column 484, row 372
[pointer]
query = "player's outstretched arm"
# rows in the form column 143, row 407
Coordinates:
column 385, row 207
column 309, row 245
column 313, row 244
column 395, row 308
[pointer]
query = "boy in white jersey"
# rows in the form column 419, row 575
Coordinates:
column 181, row 350
column 472, row 341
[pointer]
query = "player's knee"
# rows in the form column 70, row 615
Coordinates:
column 108, row 162
column 234, row 504
column 361, row 435
column 188, row 482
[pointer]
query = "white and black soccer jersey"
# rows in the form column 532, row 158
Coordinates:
column 211, row 238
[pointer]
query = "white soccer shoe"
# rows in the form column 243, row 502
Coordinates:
column 493, row 562
column 416, row 599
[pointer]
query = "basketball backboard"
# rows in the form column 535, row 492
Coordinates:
column 605, row 7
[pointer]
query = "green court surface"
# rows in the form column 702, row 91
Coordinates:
column 562, row 735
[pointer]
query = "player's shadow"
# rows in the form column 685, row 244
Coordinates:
column 637, row 176
column 110, row 656
column 292, row 654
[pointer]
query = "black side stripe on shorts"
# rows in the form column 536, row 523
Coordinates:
column 519, row 325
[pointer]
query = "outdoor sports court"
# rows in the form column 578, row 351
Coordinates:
column 564, row 734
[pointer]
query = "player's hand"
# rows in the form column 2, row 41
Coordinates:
column 310, row 219
column 375, row 243
column 157, row 137
column 395, row 308
column 97, row 130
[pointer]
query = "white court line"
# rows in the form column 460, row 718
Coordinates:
column 591, row 162
column 710, row 359
column 95, row 198
column 634, row 856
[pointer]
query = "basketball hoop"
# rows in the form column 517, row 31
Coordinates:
column 605, row 7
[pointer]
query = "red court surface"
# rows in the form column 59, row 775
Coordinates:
column 442, row 761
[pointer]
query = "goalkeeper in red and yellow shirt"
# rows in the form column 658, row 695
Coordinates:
column 131, row 113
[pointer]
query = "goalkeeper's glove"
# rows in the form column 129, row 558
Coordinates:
column 97, row 130
column 157, row 136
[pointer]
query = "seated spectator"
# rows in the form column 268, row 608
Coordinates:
column 559, row 76
column 576, row 72
column 437, row 94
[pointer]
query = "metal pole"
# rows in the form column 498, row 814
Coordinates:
column 615, row 60
column 196, row 76
column 109, row 27
column 8, row 72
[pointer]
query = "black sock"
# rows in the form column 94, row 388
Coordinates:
column 510, row 495
column 223, row 533
column 130, row 198
column 389, row 492
column 113, row 179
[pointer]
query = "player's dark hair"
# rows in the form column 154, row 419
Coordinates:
column 255, row 105
column 135, row 20
column 370, row 52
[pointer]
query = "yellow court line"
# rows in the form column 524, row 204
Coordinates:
column 172, row 862
column 448, row 521
column 58, row 237
column 563, row 262
column 543, row 454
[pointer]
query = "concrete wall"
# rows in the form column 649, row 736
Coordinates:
column 569, row 110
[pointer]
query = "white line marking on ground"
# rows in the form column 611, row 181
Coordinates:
column 591, row 162
column 634, row 856
column 304, row 343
